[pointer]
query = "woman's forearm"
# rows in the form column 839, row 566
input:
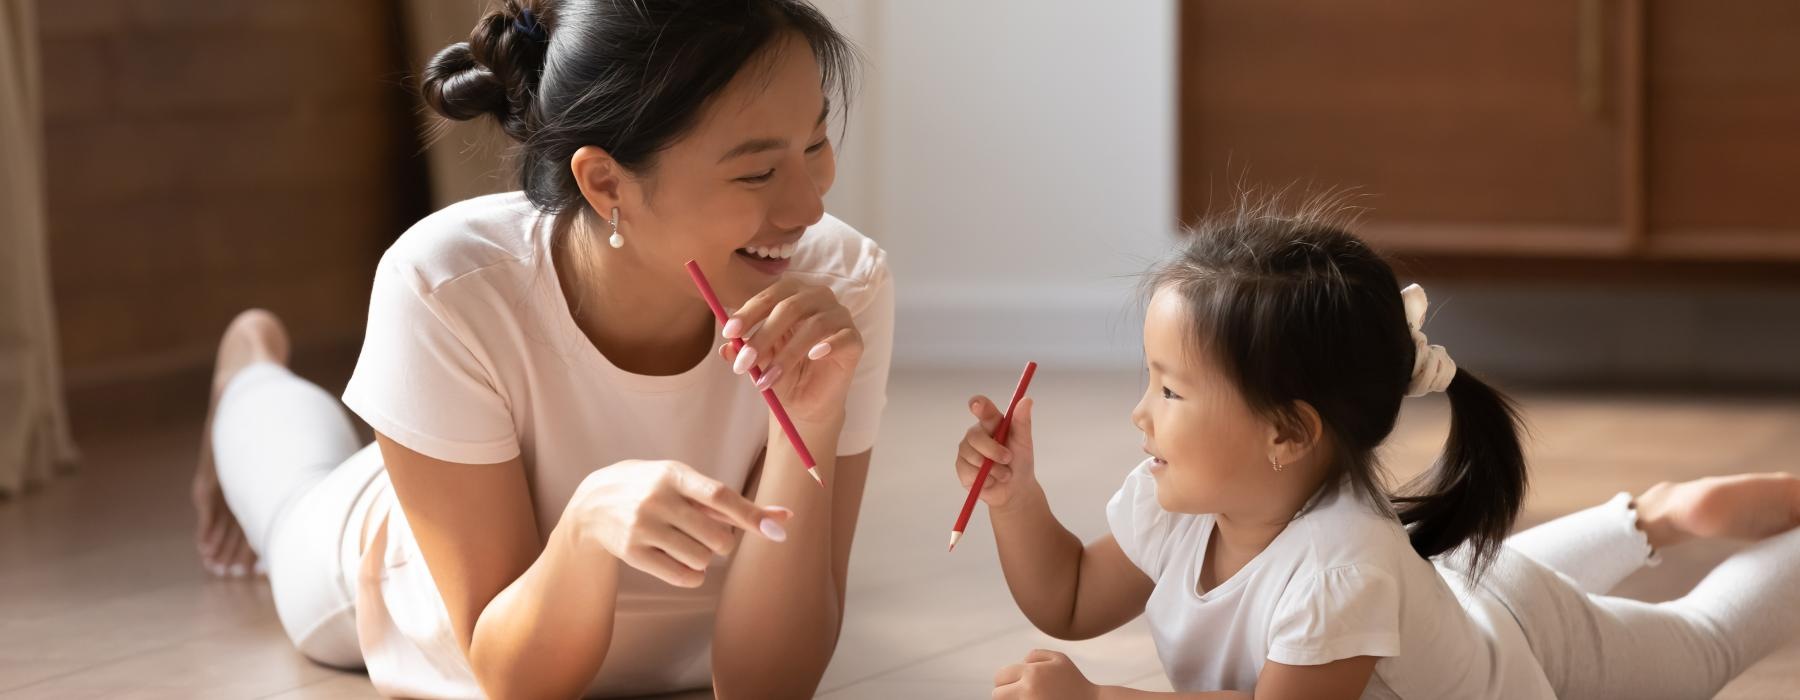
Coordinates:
column 1041, row 560
column 547, row 633
column 780, row 610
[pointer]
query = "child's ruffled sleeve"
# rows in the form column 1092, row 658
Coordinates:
column 1139, row 522
column 1335, row 614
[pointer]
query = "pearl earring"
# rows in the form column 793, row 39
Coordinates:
column 616, row 240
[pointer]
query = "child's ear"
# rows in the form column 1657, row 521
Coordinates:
column 1295, row 433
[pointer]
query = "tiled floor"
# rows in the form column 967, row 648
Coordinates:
column 100, row 595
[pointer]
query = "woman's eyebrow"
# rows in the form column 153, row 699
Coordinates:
column 754, row 146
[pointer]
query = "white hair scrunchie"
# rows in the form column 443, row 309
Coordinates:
column 1432, row 367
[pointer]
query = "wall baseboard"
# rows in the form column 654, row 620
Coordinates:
column 1540, row 335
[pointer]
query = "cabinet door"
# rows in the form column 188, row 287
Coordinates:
column 1723, row 129
column 1472, row 128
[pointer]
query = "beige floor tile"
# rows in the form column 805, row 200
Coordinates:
column 1116, row 658
column 885, row 689
column 249, row 661
column 338, row 686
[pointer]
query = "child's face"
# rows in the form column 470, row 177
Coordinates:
column 1211, row 449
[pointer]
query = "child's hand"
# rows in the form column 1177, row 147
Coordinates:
column 1045, row 675
column 1013, row 469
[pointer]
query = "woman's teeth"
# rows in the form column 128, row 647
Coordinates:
column 781, row 252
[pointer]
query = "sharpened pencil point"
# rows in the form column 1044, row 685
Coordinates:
column 955, row 536
column 814, row 471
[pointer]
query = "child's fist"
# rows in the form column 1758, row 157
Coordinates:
column 1013, row 464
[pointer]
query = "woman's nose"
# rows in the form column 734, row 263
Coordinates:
column 801, row 204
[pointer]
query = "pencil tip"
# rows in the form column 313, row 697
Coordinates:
column 955, row 536
column 814, row 472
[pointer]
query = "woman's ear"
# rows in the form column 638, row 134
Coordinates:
column 598, row 176
column 1296, row 433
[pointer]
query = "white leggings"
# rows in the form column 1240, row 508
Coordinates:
column 278, row 442
column 1554, row 578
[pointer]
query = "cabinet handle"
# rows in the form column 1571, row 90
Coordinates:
column 1590, row 57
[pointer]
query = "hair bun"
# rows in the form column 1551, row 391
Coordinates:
column 458, row 87
column 495, row 73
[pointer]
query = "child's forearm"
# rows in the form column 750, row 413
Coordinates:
column 1041, row 559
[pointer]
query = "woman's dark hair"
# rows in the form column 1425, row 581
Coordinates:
column 1294, row 308
column 629, row 76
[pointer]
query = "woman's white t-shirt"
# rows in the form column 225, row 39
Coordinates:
column 1340, row 581
column 472, row 356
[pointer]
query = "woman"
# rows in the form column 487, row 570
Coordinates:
column 566, row 495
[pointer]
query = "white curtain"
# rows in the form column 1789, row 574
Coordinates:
column 34, row 423
column 466, row 159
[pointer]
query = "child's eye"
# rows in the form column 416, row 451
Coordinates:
column 759, row 178
column 1167, row 394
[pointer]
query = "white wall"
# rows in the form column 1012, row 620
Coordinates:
column 1017, row 161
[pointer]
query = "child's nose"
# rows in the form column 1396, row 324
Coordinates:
column 1140, row 417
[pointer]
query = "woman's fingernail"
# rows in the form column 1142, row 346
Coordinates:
column 818, row 352
column 746, row 357
column 239, row 571
column 773, row 530
column 769, row 378
column 753, row 329
column 732, row 328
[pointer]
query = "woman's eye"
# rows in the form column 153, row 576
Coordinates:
column 1170, row 394
column 759, row 178
column 820, row 146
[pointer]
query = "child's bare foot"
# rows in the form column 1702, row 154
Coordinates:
column 254, row 336
column 1742, row 506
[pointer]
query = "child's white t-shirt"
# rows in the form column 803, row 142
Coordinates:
column 471, row 356
column 1340, row 581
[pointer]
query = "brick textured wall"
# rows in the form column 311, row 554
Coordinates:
column 206, row 156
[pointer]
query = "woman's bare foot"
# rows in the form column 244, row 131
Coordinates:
column 1742, row 506
column 254, row 336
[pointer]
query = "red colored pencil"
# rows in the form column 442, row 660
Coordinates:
column 737, row 344
column 1000, row 432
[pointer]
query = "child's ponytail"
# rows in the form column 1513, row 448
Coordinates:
column 1475, row 490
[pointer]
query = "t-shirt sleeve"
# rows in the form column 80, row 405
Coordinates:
column 1139, row 523
column 868, row 389
column 418, row 383
column 1335, row 614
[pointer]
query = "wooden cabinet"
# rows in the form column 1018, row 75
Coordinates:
column 1588, row 130
column 1723, row 129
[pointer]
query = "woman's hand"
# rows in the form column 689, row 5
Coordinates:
column 1044, row 675
column 1014, row 469
column 666, row 519
column 803, row 341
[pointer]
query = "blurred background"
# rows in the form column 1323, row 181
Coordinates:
column 1598, row 193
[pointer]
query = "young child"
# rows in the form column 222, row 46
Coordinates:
column 1270, row 557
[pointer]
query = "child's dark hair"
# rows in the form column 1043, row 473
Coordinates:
column 629, row 76
column 1295, row 308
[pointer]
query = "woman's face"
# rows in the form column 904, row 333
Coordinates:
column 737, row 191
column 1211, row 449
